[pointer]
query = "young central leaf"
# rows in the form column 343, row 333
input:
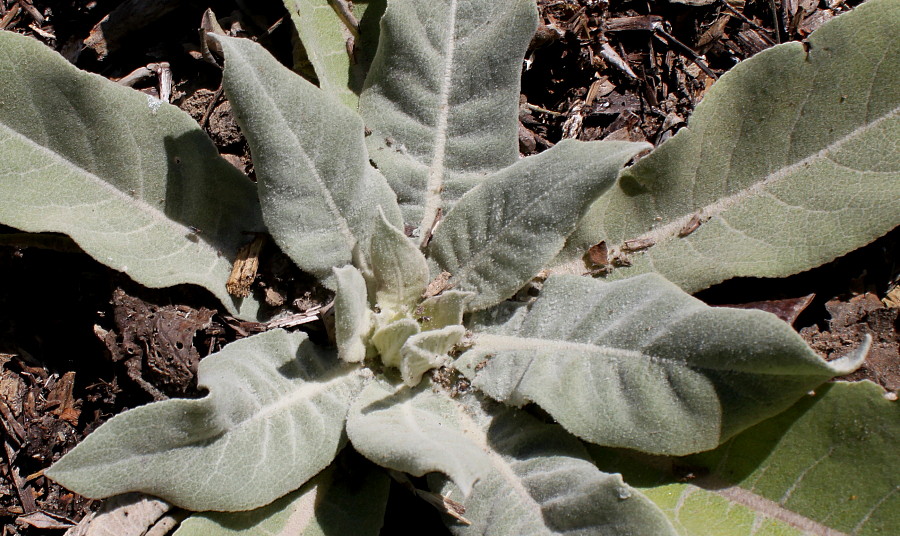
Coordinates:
column 425, row 351
column 399, row 269
column 352, row 316
column 442, row 97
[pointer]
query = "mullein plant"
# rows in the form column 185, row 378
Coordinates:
column 409, row 201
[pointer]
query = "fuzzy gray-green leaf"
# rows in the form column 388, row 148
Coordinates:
column 427, row 350
column 273, row 418
column 319, row 508
column 134, row 181
column 352, row 316
column 789, row 161
column 399, row 268
column 826, row 466
column 318, row 192
column 416, row 431
column 390, row 337
column 339, row 61
column 541, row 482
column 442, row 97
column 640, row 364
column 445, row 309
column 500, row 234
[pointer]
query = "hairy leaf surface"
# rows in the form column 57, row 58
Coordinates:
column 274, row 417
column 340, row 62
column 640, row 364
column 141, row 190
column 789, row 162
column 417, row 431
column 400, row 270
column 427, row 350
column 389, row 338
column 500, row 234
column 445, row 309
column 442, row 97
column 542, row 482
column 828, row 465
column 352, row 317
column 318, row 192
column 335, row 502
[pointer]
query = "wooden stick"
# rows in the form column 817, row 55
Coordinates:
column 245, row 266
column 342, row 8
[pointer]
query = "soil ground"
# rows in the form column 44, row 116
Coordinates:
column 80, row 343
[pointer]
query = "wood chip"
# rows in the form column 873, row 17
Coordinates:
column 692, row 225
column 610, row 55
column 814, row 22
column 751, row 42
column 245, row 267
column 715, row 32
column 132, row 513
column 892, row 299
column 41, row 32
column 598, row 254
column 10, row 15
column 125, row 20
column 33, row 11
column 440, row 284
column 12, row 426
column 572, row 127
column 12, row 387
column 62, row 401
column 642, row 22
column 637, row 244
column 26, row 495
column 310, row 315
column 786, row 309
column 40, row 520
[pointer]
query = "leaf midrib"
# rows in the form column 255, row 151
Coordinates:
column 476, row 433
column 284, row 403
column 511, row 343
column 671, row 230
column 343, row 224
column 436, row 169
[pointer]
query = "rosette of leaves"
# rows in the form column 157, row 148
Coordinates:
column 417, row 211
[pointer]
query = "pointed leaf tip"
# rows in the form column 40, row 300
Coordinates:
column 640, row 364
column 427, row 350
column 399, row 268
column 853, row 360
